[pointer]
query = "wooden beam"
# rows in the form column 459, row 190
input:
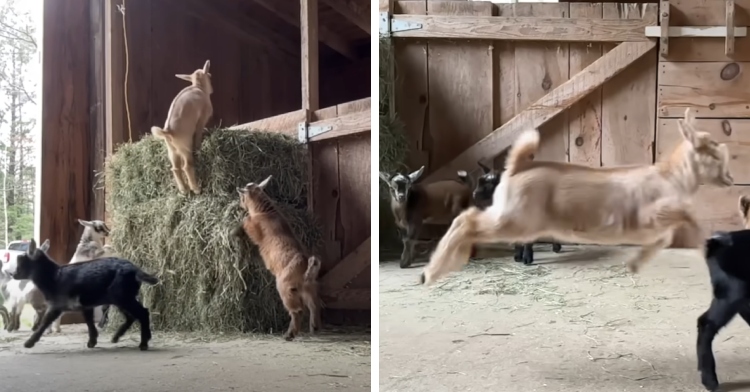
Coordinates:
column 729, row 40
column 356, row 11
column 348, row 268
column 234, row 23
column 97, row 112
column 696, row 31
column 333, row 40
column 385, row 6
column 349, row 124
column 523, row 28
column 350, row 299
column 664, row 28
column 286, row 123
column 114, row 77
column 310, row 63
column 552, row 104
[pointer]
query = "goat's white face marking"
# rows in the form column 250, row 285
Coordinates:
column 99, row 227
column 400, row 184
column 712, row 157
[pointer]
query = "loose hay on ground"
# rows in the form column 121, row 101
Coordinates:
column 210, row 278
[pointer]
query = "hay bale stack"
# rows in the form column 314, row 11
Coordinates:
column 211, row 279
column 393, row 145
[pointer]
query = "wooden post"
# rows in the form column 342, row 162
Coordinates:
column 97, row 113
column 664, row 25
column 310, row 79
column 729, row 40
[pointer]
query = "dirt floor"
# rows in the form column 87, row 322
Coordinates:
column 330, row 361
column 577, row 321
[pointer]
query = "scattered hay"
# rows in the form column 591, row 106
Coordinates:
column 210, row 278
column 393, row 145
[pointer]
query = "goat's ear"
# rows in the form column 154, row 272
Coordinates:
column 385, row 177
column 685, row 125
column 463, row 175
column 184, row 77
column 45, row 246
column 208, row 74
column 32, row 247
column 206, row 66
column 241, row 191
column 85, row 223
column 485, row 169
column 263, row 183
column 744, row 205
column 415, row 175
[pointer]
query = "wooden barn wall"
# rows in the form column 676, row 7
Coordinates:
column 690, row 76
column 249, row 82
column 67, row 139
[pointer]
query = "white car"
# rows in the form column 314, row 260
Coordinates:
column 14, row 249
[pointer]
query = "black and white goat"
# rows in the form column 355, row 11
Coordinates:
column 90, row 247
column 413, row 204
column 84, row 286
column 18, row 293
column 726, row 256
column 482, row 197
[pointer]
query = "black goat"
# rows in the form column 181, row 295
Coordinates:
column 482, row 196
column 83, row 286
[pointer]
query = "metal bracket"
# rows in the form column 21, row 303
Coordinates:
column 388, row 25
column 305, row 131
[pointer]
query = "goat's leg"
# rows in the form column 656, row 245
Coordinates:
column 49, row 316
column 139, row 312
column 188, row 167
column 5, row 316
column 709, row 324
column 412, row 234
column 646, row 253
column 744, row 311
column 176, row 161
column 15, row 316
column 198, row 134
column 105, row 314
column 56, row 324
column 313, row 303
column 129, row 320
column 88, row 315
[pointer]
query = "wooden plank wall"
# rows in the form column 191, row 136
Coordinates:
column 690, row 76
column 451, row 93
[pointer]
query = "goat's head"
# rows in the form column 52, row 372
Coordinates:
column 710, row 158
column 400, row 185
column 253, row 197
column 200, row 78
column 744, row 205
column 96, row 230
column 486, row 184
column 25, row 262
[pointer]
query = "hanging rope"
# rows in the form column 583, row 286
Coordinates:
column 121, row 8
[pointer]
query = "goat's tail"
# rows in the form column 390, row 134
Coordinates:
column 161, row 133
column 313, row 269
column 522, row 151
column 455, row 247
column 146, row 278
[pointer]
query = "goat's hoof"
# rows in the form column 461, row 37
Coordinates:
column 288, row 337
column 632, row 268
column 421, row 278
column 29, row 344
column 557, row 248
column 517, row 258
column 405, row 263
column 197, row 191
column 143, row 346
column 115, row 339
column 91, row 343
column 710, row 382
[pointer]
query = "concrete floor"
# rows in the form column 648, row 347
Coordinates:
column 62, row 363
column 576, row 322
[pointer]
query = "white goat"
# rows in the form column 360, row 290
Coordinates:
column 636, row 204
column 90, row 247
column 183, row 131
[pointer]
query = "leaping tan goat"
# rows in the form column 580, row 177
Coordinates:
column 183, row 131
column 636, row 204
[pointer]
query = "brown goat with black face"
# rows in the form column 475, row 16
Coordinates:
column 296, row 271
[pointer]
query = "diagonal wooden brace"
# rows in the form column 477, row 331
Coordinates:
column 348, row 268
column 543, row 110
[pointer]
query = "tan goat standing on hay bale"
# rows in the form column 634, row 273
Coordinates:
column 635, row 204
column 183, row 131
column 296, row 272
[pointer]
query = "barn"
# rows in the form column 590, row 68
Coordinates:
column 288, row 74
column 605, row 82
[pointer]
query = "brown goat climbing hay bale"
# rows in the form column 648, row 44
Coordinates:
column 211, row 279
